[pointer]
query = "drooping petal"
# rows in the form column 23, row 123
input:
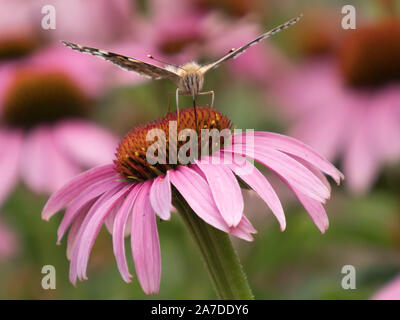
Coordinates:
column 90, row 193
column 243, row 230
column 10, row 147
column 315, row 171
column 225, row 190
column 198, row 195
column 315, row 209
column 93, row 226
column 160, row 197
column 77, row 267
column 120, row 223
column 283, row 165
column 145, row 242
column 293, row 147
column 86, row 143
column 259, row 183
column 73, row 188
column 76, row 225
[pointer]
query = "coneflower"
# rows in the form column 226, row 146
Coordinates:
column 130, row 193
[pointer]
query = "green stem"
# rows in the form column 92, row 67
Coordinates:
column 219, row 256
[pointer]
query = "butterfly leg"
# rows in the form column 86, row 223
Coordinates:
column 177, row 104
column 212, row 96
column 195, row 111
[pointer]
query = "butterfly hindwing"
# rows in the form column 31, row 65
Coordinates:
column 127, row 63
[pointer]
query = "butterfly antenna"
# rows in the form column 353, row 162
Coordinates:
column 166, row 63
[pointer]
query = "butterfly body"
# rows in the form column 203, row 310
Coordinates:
column 191, row 78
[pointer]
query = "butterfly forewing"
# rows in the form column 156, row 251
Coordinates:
column 127, row 63
column 237, row 52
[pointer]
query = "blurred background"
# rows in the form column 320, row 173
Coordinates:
column 338, row 90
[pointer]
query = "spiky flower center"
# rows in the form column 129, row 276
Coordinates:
column 232, row 7
column 319, row 41
column 132, row 153
column 16, row 47
column 370, row 56
column 35, row 97
column 176, row 44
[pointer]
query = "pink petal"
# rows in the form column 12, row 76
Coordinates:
column 198, row 195
column 47, row 168
column 160, row 196
column 76, row 225
column 331, row 133
column 10, row 147
column 120, row 222
column 385, row 123
column 243, row 230
column 74, row 271
column 76, row 186
column 86, row 143
column 225, row 190
column 293, row 147
column 360, row 160
column 259, row 183
column 294, row 173
column 313, row 207
column 145, row 243
column 76, row 205
column 315, row 171
column 92, row 225
column 389, row 292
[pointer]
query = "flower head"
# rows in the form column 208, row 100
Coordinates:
column 45, row 98
column 129, row 194
column 347, row 105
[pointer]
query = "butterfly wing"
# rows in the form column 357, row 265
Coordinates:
column 130, row 64
column 237, row 52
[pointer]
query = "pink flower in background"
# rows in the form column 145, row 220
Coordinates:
column 129, row 194
column 350, row 107
column 44, row 137
column 8, row 242
column 99, row 21
column 390, row 291
column 76, row 20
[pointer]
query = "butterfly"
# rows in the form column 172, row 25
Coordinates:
column 189, row 77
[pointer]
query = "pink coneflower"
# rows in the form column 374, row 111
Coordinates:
column 348, row 105
column 390, row 291
column 129, row 194
column 44, row 137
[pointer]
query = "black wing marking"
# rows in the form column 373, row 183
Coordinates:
column 127, row 63
column 234, row 53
